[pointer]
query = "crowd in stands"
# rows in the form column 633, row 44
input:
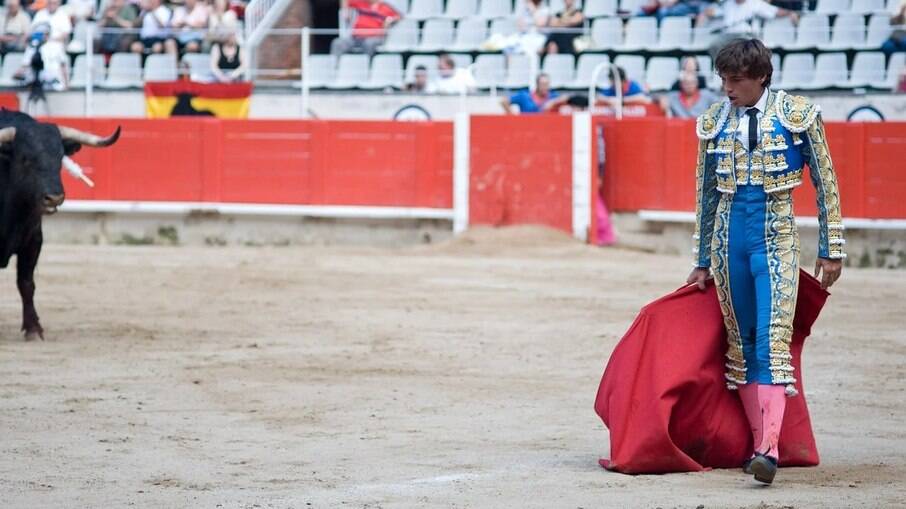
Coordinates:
column 53, row 32
column 627, row 28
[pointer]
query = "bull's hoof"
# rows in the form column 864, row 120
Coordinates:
column 34, row 336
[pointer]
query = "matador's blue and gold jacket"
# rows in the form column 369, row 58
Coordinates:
column 792, row 135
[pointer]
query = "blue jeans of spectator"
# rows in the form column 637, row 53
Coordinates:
column 893, row 45
column 679, row 9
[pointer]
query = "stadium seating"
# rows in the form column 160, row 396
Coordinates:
column 124, row 71
column 386, row 71
column 402, row 36
column 560, row 69
column 80, row 70
column 518, row 72
column 641, row 33
column 607, row 33
column 460, row 9
column 779, row 33
column 586, row 66
column 849, row 32
column 490, row 71
column 429, row 61
column 470, row 33
column 199, row 64
column 495, row 8
column 352, row 71
column 675, row 33
column 634, row 65
column 868, row 70
column 830, row 71
column 11, row 63
column 425, row 9
column 600, row 8
column 161, row 67
column 437, row 35
column 797, row 71
column 813, row 32
column 661, row 73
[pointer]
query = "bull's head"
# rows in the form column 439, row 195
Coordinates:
column 45, row 151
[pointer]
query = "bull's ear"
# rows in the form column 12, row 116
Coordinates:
column 71, row 147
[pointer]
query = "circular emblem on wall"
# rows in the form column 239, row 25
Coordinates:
column 865, row 113
column 412, row 113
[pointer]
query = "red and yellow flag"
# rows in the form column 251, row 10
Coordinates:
column 173, row 98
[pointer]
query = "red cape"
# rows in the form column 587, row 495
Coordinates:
column 664, row 398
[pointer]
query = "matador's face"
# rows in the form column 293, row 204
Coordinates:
column 742, row 90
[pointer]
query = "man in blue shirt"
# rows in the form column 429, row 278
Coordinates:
column 633, row 93
column 543, row 99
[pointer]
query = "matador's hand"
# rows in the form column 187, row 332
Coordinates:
column 698, row 276
column 831, row 269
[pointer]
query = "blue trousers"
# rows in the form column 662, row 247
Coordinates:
column 756, row 268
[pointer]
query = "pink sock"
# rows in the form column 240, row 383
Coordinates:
column 605, row 235
column 772, row 400
column 748, row 393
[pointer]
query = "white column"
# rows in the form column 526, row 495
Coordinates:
column 581, row 175
column 461, row 172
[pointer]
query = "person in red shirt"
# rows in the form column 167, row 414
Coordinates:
column 370, row 20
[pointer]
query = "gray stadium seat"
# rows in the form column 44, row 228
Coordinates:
column 80, row 70
column 830, row 72
column 798, row 70
column 160, row 67
column 495, row 9
column 79, row 36
column 11, row 63
column 702, row 37
column 631, row 6
column 490, row 70
column 607, row 33
column 896, row 63
column 775, row 64
column 675, row 33
column 386, row 71
column 402, row 36
column 600, row 8
column 779, row 33
column 458, row 9
column 401, row 6
column 560, row 68
column 323, row 70
column 461, row 60
column 832, row 6
column 878, row 30
column 868, row 6
column 556, row 6
column 503, row 26
column 586, row 67
column 849, row 32
column 470, row 33
column 352, row 71
column 868, row 69
column 199, row 64
column 429, row 61
column 437, row 34
column 634, row 65
column 662, row 72
column 124, row 71
column 813, row 32
column 424, row 9
column 518, row 71
column 640, row 34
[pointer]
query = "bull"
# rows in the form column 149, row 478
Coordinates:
column 31, row 156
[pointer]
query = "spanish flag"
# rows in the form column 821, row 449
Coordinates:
column 164, row 99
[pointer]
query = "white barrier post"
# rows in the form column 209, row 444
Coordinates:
column 89, row 83
column 581, row 188
column 461, row 151
column 306, row 49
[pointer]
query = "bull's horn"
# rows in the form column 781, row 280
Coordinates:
column 7, row 134
column 92, row 140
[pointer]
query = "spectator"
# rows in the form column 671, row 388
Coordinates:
column 678, row 8
column 57, row 19
column 80, row 10
column 190, row 26
column 543, row 99
column 737, row 20
column 47, row 58
column 633, row 93
column 690, row 101
column 419, row 83
column 222, row 21
column 15, row 28
column 369, row 28
column 227, row 60
column 118, row 16
column 690, row 64
column 451, row 79
column 897, row 40
column 531, row 17
column 570, row 18
column 155, row 27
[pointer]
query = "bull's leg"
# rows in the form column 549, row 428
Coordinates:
column 26, row 261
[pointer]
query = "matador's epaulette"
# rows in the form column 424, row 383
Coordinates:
column 712, row 120
column 795, row 112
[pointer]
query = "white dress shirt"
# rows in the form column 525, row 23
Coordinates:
column 738, row 16
column 742, row 130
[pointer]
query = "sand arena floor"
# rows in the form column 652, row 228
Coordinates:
column 454, row 375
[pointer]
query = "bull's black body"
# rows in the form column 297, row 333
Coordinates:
column 30, row 186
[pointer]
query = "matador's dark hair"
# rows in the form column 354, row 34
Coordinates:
column 748, row 57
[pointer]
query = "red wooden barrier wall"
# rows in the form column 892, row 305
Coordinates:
column 521, row 170
column 282, row 162
column 521, row 167
column 650, row 164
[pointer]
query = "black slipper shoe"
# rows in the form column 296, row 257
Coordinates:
column 747, row 466
column 764, row 468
